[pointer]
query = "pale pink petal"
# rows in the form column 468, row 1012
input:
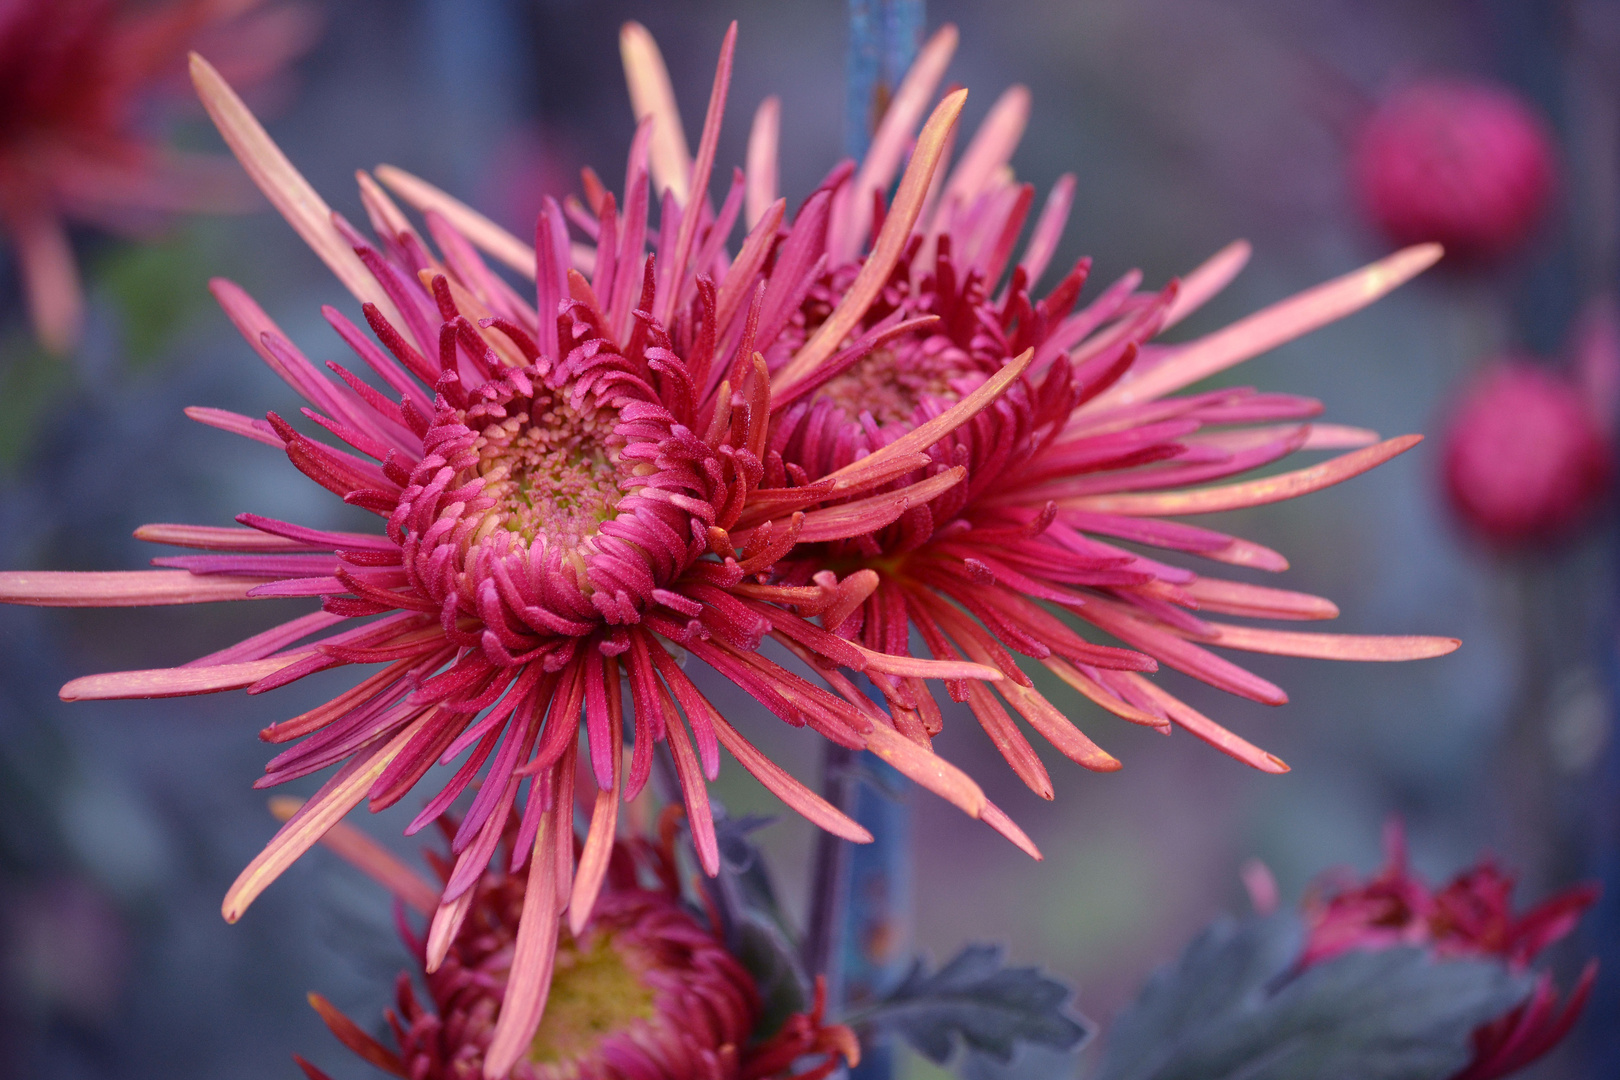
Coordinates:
column 872, row 513
column 1009, row 741
column 1100, row 696
column 1268, row 489
column 50, row 278
column 1318, row 437
column 1205, row 728
column 483, row 233
column 174, row 682
column 927, row 769
column 915, row 667
column 246, row 426
column 447, row 921
column 593, row 860
column 995, row 817
column 694, row 792
column 1240, row 598
column 119, row 588
column 286, row 188
column 369, row 857
column 990, row 149
column 1331, row 646
column 1207, row 280
column 891, row 241
column 339, row 795
column 535, row 954
column 1267, row 329
column 708, row 143
column 800, row 798
column 761, row 161
column 651, row 95
column 1043, row 239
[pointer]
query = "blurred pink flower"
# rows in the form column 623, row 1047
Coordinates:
column 76, row 80
column 1471, row 917
column 644, row 989
column 1463, row 162
column 1525, row 459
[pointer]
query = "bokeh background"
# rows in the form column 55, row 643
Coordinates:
column 1188, row 123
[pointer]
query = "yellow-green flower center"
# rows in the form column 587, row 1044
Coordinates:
column 595, row 991
column 552, row 469
column 890, row 382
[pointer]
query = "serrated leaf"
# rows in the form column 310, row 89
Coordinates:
column 1230, row 1009
column 976, row 1001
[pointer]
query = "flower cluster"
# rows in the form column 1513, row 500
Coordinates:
column 848, row 430
column 1471, row 916
column 644, row 989
column 75, row 76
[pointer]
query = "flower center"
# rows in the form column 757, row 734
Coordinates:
column 550, row 466
column 890, row 382
column 596, row 990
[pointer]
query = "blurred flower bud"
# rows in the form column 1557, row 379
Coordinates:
column 1464, row 162
column 1525, row 459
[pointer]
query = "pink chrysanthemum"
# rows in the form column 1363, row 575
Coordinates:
column 569, row 490
column 1527, row 460
column 643, row 990
column 1014, row 513
column 1472, row 916
column 75, row 76
column 566, row 499
column 1463, row 162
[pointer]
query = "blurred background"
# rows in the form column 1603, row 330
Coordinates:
column 1189, row 124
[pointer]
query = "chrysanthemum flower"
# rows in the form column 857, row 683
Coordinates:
column 1472, row 916
column 566, row 499
column 1463, row 162
column 644, row 989
column 1086, row 444
column 1526, row 460
column 75, row 79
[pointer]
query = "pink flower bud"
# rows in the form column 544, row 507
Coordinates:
column 1525, row 460
column 1466, row 163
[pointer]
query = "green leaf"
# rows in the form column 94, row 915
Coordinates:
column 1231, row 1009
column 989, row 1008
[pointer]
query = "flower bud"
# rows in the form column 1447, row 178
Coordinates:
column 1463, row 162
column 1525, row 460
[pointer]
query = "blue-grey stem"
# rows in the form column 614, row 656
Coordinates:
column 859, row 930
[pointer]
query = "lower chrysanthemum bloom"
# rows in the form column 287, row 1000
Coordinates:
column 643, row 991
column 1472, row 916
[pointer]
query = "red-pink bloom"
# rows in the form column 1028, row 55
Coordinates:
column 1016, row 513
column 76, row 80
column 1526, row 461
column 565, row 499
column 643, row 991
column 1470, row 917
column 1462, row 162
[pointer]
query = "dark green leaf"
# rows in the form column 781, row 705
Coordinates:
column 1230, row 1010
column 991, row 1009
